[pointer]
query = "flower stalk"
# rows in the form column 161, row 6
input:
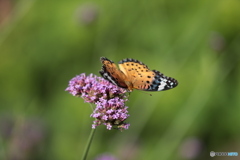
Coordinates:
column 90, row 138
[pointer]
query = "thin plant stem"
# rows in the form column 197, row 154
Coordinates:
column 90, row 138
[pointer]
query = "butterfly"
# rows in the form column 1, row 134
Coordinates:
column 133, row 74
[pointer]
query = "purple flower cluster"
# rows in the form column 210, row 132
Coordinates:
column 109, row 99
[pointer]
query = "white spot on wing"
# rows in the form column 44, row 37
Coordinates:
column 161, row 87
column 163, row 84
column 109, row 78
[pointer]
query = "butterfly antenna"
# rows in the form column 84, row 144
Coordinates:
column 146, row 93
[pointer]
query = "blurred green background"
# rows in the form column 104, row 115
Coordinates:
column 43, row 44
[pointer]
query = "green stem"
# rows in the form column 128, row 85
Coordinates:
column 90, row 138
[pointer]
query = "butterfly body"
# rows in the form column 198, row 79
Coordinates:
column 133, row 74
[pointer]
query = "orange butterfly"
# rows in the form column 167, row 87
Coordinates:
column 133, row 74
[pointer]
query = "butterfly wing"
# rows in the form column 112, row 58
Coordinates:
column 111, row 73
column 142, row 78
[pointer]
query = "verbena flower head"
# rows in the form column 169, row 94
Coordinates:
column 109, row 99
